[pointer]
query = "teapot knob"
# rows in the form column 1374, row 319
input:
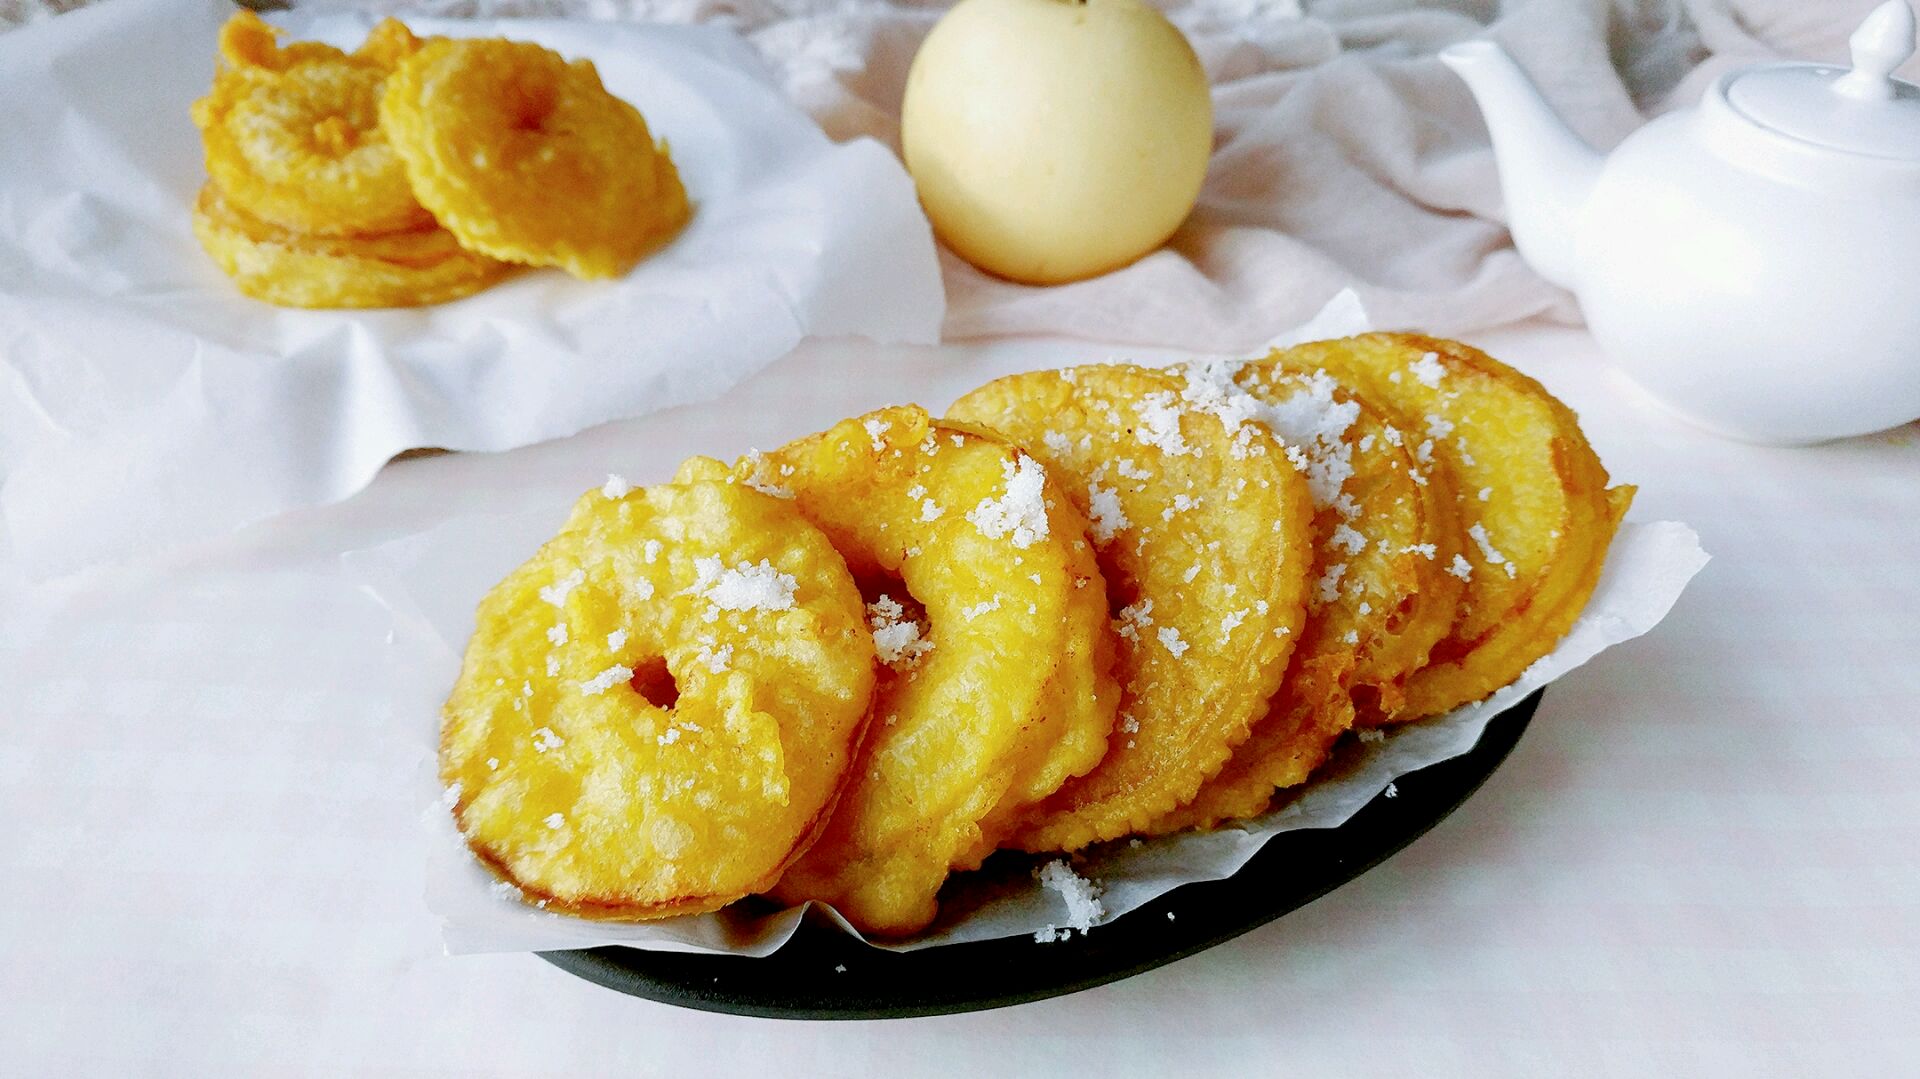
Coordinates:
column 1883, row 42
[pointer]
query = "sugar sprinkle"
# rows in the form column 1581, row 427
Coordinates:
column 1021, row 513
column 556, row 593
column 605, row 680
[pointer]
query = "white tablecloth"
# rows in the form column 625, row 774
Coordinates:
column 1703, row 858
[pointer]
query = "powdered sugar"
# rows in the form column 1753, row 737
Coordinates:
column 605, row 680
column 1159, row 425
column 1081, row 896
column 1104, row 511
column 1021, row 513
column 1170, row 637
column 1133, row 618
column 746, row 587
column 1315, row 422
column 716, row 658
column 1211, row 388
column 557, row 592
column 896, row 638
column 1487, row 551
column 1181, row 504
column 1428, row 369
column 756, row 477
column 980, row 608
column 1328, row 588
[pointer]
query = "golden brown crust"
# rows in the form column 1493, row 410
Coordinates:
column 1011, row 699
column 527, row 158
column 590, row 796
column 1203, row 536
column 1384, row 531
column 293, row 135
column 400, row 269
column 1533, row 499
column 1359, row 531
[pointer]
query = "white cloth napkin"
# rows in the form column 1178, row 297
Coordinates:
column 1346, row 156
column 145, row 403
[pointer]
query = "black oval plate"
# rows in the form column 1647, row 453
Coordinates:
column 822, row 973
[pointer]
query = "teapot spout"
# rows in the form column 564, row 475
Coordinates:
column 1546, row 170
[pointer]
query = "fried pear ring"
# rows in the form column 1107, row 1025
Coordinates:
column 527, row 158
column 293, row 136
column 400, row 269
column 656, row 712
column 1204, row 536
column 1385, row 532
column 997, row 700
column 1534, row 501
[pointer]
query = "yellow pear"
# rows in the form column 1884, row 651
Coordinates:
column 1053, row 140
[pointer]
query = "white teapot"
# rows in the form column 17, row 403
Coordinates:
column 1753, row 263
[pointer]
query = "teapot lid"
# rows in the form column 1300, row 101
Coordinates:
column 1862, row 110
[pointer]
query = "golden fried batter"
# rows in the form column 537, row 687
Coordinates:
column 1533, row 498
column 656, row 712
column 396, row 269
column 293, row 137
column 1384, row 534
column 993, row 700
column 526, row 157
column 1204, row 535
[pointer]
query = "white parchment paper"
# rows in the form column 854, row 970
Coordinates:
column 145, row 403
column 432, row 581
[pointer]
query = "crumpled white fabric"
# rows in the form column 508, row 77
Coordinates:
column 1346, row 156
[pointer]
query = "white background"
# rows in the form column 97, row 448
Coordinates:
column 1703, row 858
